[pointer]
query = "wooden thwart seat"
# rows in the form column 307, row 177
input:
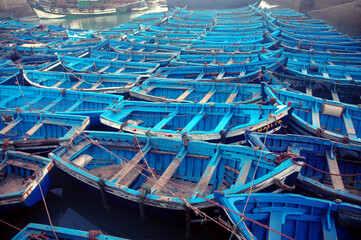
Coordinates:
column 168, row 173
column 337, row 182
column 123, row 176
column 208, row 173
column 24, row 165
column 10, row 126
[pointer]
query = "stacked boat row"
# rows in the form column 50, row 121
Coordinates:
column 152, row 116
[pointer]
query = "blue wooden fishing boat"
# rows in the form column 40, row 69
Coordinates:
column 30, row 99
column 189, row 121
column 159, row 58
column 155, row 90
column 157, row 176
column 247, row 72
column 160, row 40
column 324, row 59
column 309, row 39
column 120, row 46
column 319, row 153
column 333, row 72
column 34, row 231
column 228, row 48
column 24, row 179
column 317, row 87
column 171, row 29
column 319, row 117
column 32, row 131
column 221, row 59
column 289, row 216
column 106, row 66
column 97, row 83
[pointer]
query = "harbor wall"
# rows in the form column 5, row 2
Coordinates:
column 19, row 7
column 345, row 17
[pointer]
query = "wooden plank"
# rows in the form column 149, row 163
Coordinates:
column 53, row 103
column 334, row 95
column 35, row 128
column 76, row 85
column 96, row 85
column 337, row 182
column 304, row 71
column 185, row 94
column 316, row 119
column 122, row 174
column 104, row 69
column 231, row 97
column 168, row 173
column 24, row 165
column 59, row 83
column 308, row 89
column 325, row 74
column 349, row 126
column 329, row 232
column 207, row 175
column 207, row 97
column 10, row 126
column 275, row 223
column 241, row 74
column 242, row 177
column 132, row 175
column 221, row 74
column 75, row 105
column 120, row 69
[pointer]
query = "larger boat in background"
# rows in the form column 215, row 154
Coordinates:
column 206, row 4
column 83, row 8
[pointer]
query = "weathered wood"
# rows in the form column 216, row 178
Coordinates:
column 334, row 95
column 329, row 234
column 10, row 126
column 24, row 165
column 134, row 173
column 122, row 174
column 75, row 149
column 275, row 224
column 337, row 182
column 207, row 175
column 349, row 126
column 231, row 169
column 207, row 97
column 316, row 119
column 231, row 97
column 325, row 74
column 308, row 89
column 242, row 177
column 185, row 94
column 96, row 85
column 35, row 128
column 158, row 186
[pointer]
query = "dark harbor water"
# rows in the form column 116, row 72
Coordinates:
column 72, row 206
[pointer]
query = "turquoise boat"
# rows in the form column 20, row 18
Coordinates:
column 106, row 66
column 214, row 122
column 24, row 179
column 155, row 90
column 318, row 117
column 159, row 177
column 96, row 83
column 322, row 154
column 40, row 100
column 38, row 131
column 288, row 216
column 246, row 72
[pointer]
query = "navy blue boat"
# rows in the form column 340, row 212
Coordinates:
column 323, row 154
column 23, row 176
column 267, row 216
